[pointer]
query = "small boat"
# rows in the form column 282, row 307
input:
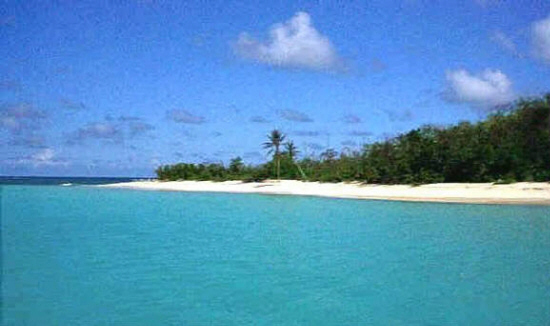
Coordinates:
column 68, row 184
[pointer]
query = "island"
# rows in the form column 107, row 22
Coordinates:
column 503, row 159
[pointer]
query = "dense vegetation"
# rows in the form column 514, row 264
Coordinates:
column 512, row 145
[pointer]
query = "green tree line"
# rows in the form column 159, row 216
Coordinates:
column 508, row 146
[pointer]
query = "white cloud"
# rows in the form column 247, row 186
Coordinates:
column 541, row 39
column 485, row 90
column 45, row 157
column 504, row 41
column 292, row 44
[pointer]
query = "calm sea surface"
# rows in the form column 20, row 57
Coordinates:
column 81, row 255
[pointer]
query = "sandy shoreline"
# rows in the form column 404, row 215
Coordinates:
column 536, row 193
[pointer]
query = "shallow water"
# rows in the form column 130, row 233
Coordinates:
column 90, row 256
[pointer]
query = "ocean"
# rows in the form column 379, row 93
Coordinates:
column 83, row 255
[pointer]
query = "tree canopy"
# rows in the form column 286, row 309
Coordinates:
column 508, row 146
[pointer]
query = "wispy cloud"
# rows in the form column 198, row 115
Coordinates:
column 292, row 44
column 45, row 157
column 134, row 126
column 138, row 128
column 183, row 116
column 505, row 42
column 126, row 118
column 399, row 116
column 71, row 105
column 486, row 90
column 30, row 141
column 309, row 133
column 110, row 130
column 360, row 133
column 258, row 119
column 216, row 134
column 97, row 130
column 540, row 33
column 293, row 115
column 351, row 119
column 17, row 118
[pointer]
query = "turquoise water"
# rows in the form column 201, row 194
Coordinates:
column 89, row 256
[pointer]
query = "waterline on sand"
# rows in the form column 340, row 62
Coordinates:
column 482, row 193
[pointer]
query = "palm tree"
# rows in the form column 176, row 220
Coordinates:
column 291, row 150
column 275, row 140
column 329, row 155
column 236, row 165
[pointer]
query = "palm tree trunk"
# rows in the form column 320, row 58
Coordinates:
column 278, row 167
column 304, row 176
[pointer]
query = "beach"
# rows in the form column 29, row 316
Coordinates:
column 536, row 193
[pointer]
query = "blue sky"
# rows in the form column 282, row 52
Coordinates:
column 115, row 88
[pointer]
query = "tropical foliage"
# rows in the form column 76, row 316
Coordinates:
column 511, row 145
column 276, row 139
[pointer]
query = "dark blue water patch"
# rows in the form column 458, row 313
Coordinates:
column 51, row 181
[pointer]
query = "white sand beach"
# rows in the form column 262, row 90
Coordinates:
column 482, row 193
